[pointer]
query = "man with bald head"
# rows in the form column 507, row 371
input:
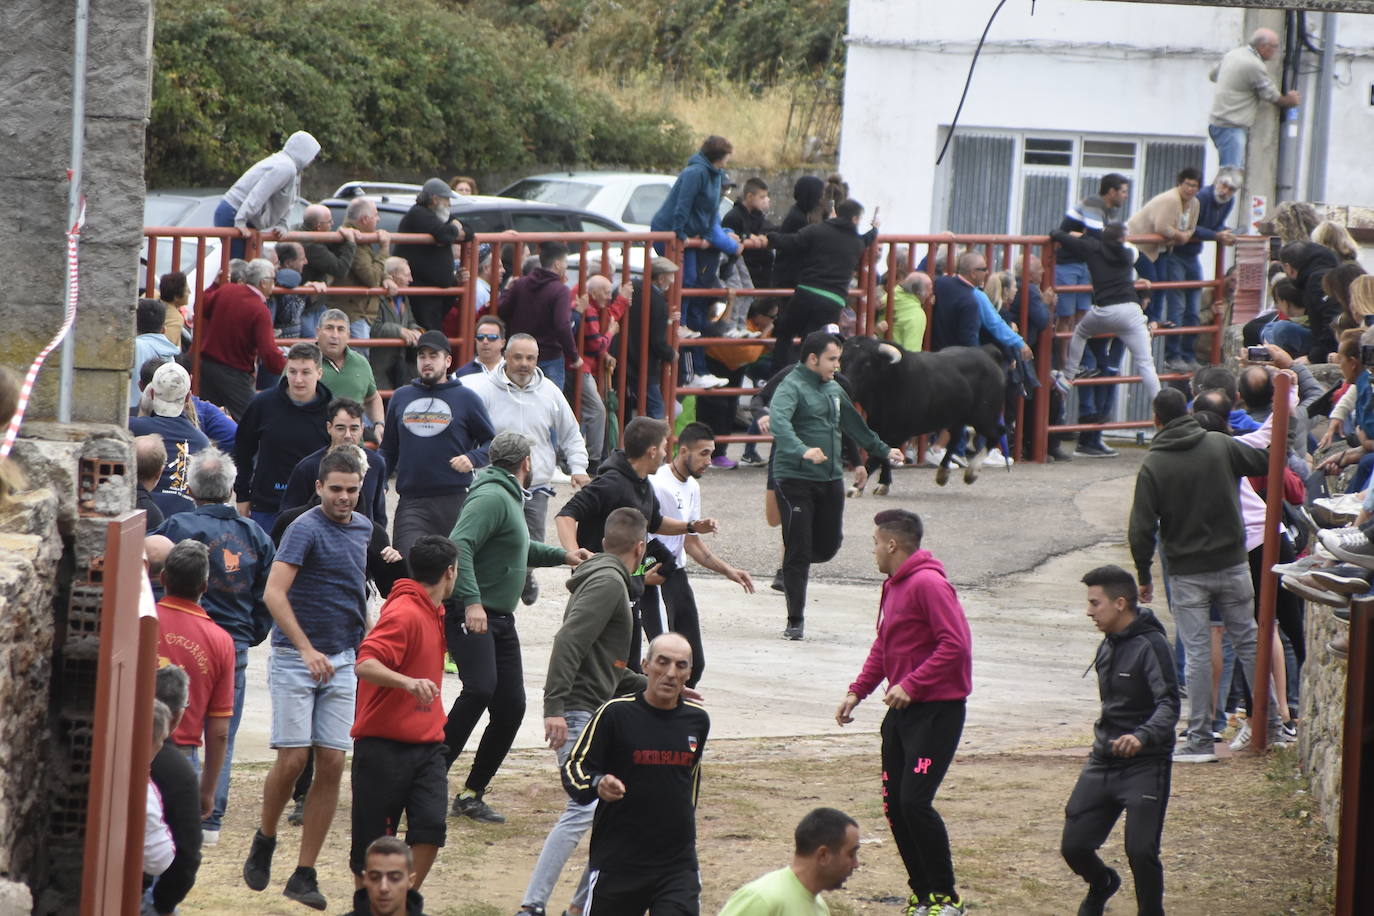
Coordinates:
column 1242, row 83
column 327, row 262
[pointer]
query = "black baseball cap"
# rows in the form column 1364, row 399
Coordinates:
column 435, row 340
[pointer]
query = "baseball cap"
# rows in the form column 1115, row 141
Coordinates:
column 169, row 386
column 662, row 266
column 437, row 187
column 509, row 448
column 435, row 340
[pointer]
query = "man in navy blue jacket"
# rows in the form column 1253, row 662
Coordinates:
column 240, row 556
column 345, row 427
column 280, row 427
column 1184, row 263
column 437, row 432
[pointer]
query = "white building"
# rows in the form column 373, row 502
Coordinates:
column 1059, row 98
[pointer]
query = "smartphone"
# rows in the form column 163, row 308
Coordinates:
column 1259, row 355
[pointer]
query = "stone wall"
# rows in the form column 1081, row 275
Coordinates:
column 1323, row 714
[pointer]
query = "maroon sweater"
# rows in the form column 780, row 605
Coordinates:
column 238, row 330
column 540, row 305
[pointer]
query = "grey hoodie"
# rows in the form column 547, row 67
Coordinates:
column 587, row 666
column 263, row 195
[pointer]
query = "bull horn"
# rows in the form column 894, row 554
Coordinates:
column 893, row 355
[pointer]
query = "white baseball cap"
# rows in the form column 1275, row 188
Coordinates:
column 169, row 388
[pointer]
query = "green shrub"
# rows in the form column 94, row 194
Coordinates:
column 404, row 85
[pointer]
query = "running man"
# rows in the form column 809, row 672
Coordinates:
column 826, row 852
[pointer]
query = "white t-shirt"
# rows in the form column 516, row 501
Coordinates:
column 679, row 499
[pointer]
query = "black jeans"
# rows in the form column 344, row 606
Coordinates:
column 493, row 682
column 227, row 387
column 812, row 529
column 632, row 892
column 1140, row 787
column 675, row 596
column 420, row 515
column 918, row 746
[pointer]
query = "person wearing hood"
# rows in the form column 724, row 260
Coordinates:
column 623, row 480
column 692, row 210
column 262, row 197
column 437, row 433
column 432, row 263
column 1307, row 264
column 1187, row 494
column 588, row 665
column 280, row 427
column 388, row 882
column 1129, row 767
column 1116, row 310
column 539, row 304
column 829, row 253
column 494, row 551
column 520, row 398
column 398, row 731
column 925, row 653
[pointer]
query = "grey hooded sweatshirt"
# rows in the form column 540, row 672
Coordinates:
column 263, row 195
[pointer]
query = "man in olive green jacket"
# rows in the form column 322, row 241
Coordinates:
column 494, row 549
column 807, row 415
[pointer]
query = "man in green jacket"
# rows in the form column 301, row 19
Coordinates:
column 1187, row 491
column 587, row 667
column 808, row 414
column 492, row 536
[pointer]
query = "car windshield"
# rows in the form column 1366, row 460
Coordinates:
column 544, row 190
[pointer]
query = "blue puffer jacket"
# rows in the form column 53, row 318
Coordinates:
column 691, row 208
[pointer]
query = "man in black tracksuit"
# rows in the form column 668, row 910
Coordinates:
column 623, row 480
column 829, row 252
column 1131, row 760
column 640, row 756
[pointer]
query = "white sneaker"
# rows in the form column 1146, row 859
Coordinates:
column 684, row 333
column 209, row 837
column 996, row 459
column 708, row 381
column 1242, row 739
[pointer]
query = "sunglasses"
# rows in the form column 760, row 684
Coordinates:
column 488, row 337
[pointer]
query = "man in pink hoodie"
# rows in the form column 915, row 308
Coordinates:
column 924, row 651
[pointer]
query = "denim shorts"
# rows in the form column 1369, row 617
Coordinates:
column 306, row 712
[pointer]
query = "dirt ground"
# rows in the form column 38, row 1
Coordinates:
column 1237, row 838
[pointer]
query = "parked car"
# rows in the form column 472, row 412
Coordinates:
column 629, row 197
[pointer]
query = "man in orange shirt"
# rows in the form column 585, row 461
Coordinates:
column 398, row 748
column 187, row 637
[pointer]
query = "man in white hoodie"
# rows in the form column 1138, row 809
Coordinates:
column 519, row 398
column 262, row 197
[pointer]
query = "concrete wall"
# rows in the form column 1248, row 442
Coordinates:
column 35, row 139
column 1323, row 715
column 1080, row 66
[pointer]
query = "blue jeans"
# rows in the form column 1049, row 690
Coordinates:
column 224, row 219
column 553, row 371
column 360, row 330
column 1149, row 270
column 214, row 821
column 1295, row 339
column 265, row 520
column 310, row 318
column 1361, row 478
column 1182, row 303
column 654, row 401
column 1230, row 144
column 1072, row 275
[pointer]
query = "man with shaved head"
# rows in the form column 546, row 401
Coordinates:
column 329, row 262
column 1242, row 83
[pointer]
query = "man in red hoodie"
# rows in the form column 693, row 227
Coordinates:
column 398, row 749
column 923, row 650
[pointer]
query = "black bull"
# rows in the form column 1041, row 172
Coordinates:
column 911, row 394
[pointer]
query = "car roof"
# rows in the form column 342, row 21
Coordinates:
column 472, row 202
column 590, row 176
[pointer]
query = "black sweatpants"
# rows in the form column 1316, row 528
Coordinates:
column 918, row 746
column 633, row 892
column 812, row 529
column 806, row 312
column 391, row 777
column 1138, row 786
column 672, row 607
column 493, row 682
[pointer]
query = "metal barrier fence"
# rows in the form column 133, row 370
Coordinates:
column 624, row 254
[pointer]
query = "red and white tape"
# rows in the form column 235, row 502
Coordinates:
column 68, row 320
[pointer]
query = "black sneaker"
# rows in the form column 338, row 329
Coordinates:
column 297, row 816
column 530, row 594
column 530, row 909
column 257, row 870
column 302, row 887
column 792, row 631
column 753, row 459
column 1056, row 453
column 1344, row 579
column 1095, row 903
column 777, row 585
column 472, row 806
column 1094, row 450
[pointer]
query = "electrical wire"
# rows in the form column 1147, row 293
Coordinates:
column 968, row 81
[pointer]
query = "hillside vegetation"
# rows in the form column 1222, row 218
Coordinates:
column 477, row 86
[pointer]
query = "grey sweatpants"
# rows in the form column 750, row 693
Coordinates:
column 1126, row 321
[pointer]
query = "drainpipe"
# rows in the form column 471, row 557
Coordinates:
column 83, row 11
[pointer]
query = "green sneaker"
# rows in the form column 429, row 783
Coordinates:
column 916, row 905
column 942, row 905
column 449, row 666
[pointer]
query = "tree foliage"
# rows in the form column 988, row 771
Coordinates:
column 403, row 85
